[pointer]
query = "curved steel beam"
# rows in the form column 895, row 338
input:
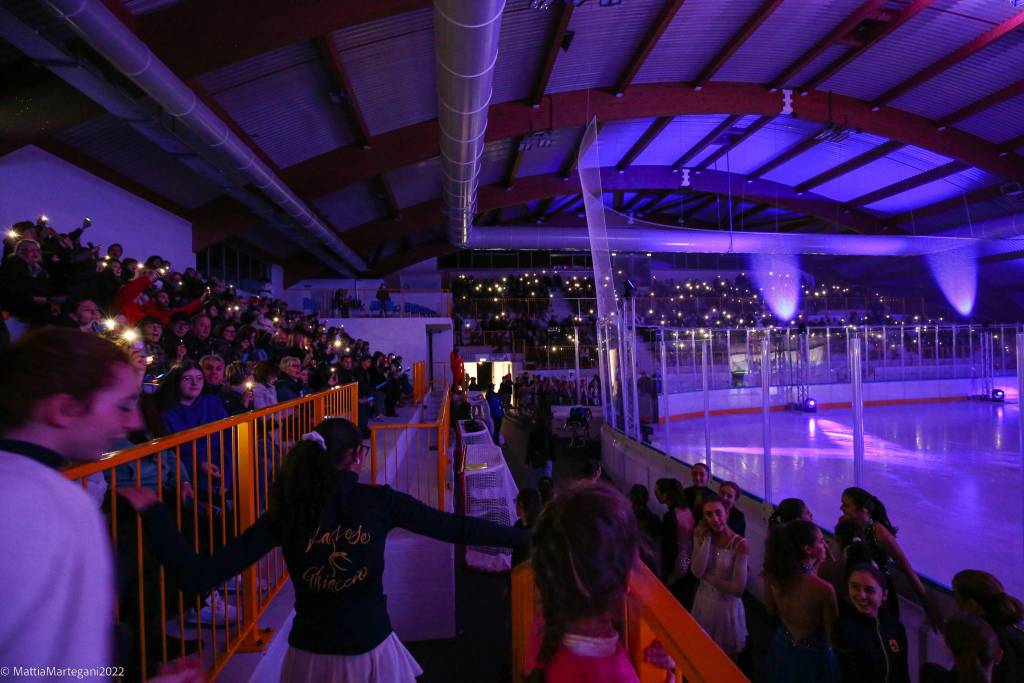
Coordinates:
column 330, row 171
column 427, row 215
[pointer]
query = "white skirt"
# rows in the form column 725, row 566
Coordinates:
column 389, row 662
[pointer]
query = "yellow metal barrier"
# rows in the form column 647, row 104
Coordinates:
column 651, row 612
column 250, row 447
column 401, row 457
column 419, row 381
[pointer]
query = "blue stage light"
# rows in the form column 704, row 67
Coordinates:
column 810, row 406
column 998, row 395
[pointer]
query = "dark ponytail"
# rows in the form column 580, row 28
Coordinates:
column 784, row 553
column 786, row 511
column 874, row 506
column 998, row 608
column 308, row 477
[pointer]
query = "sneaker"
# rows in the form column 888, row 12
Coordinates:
column 215, row 605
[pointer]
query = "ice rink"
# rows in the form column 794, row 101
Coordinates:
column 949, row 474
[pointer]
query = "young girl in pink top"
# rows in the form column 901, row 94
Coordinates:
column 584, row 546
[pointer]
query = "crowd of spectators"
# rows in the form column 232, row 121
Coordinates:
column 208, row 350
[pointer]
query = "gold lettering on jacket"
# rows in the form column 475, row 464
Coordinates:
column 337, row 575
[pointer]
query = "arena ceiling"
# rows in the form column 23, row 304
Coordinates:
column 906, row 115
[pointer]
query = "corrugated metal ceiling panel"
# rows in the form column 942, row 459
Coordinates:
column 260, row 66
column 953, row 186
column 998, row 124
column 606, row 38
column 789, row 32
column 391, row 65
column 873, row 176
column 682, row 134
column 416, row 183
column 114, row 144
column 984, row 10
column 994, row 68
column 779, row 135
column 618, row 136
column 830, row 54
column 288, row 114
column 923, row 40
column 352, row 205
column 697, row 33
column 540, row 160
column 524, row 39
column 821, row 158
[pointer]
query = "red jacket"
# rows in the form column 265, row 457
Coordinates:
column 126, row 303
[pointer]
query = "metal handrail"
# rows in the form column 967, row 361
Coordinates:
column 254, row 445
column 651, row 611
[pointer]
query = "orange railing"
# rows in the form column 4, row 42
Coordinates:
column 419, row 381
column 651, row 613
column 250, row 447
column 413, row 458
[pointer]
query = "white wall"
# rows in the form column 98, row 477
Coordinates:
column 34, row 182
column 406, row 337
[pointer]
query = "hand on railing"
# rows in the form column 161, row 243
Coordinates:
column 655, row 654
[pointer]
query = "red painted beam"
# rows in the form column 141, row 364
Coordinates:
column 643, row 142
column 747, row 133
column 513, row 167
column 338, row 75
column 981, row 105
column 906, row 15
column 428, row 216
column 554, row 47
column 705, row 141
column 951, row 60
column 851, row 165
column 838, row 33
column 194, row 38
column 394, row 149
column 736, row 42
column 918, row 180
column 668, row 13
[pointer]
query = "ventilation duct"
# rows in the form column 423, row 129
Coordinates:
column 466, row 37
column 668, row 240
column 129, row 55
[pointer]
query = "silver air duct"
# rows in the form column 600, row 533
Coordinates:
column 669, row 240
column 466, row 36
column 133, row 58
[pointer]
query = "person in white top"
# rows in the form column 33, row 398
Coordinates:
column 66, row 397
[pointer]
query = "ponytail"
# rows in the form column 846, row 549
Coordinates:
column 786, row 511
column 308, row 479
column 997, row 607
column 862, row 499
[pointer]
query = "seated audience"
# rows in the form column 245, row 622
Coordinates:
column 264, row 393
column 238, row 394
column 290, row 385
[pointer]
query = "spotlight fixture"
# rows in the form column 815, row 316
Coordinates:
column 810, row 406
column 998, row 395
